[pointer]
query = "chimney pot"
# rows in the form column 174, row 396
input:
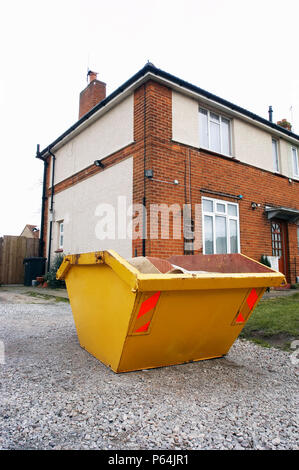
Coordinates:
column 92, row 75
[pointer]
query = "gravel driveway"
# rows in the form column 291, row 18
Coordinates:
column 54, row 395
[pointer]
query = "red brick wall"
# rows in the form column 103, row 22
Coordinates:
column 170, row 160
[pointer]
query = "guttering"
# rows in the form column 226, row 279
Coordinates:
column 44, row 198
column 195, row 90
column 146, row 73
column 137, row 80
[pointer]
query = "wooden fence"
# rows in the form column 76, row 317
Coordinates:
column 12, row 252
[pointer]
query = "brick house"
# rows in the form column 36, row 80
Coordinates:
column 158, row 139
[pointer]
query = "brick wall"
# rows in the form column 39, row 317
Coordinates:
column 91, row 95
column 195, row 170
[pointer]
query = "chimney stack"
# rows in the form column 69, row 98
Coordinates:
column 270, row 111
column 92, row 94
column 286, row 124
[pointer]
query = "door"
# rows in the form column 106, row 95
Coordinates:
column 279, row 244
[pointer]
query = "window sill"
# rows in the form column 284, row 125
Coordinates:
column 226, row 155
column 60, row 250
column 204, row 149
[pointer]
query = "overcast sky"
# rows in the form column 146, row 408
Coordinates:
column 244, row 51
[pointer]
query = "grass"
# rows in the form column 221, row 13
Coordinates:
column 47, row 296
column 275, row 322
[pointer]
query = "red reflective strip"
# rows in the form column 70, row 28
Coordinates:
column 143, row 328
column 148, row 304
column 240, row 318
column 252, row 298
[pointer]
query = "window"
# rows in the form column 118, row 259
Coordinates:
column 60, row 233
column 276, row 239
column 214, row 132
column 275, row 155
column 295, row 162
column 220, row 226
column 298, row 237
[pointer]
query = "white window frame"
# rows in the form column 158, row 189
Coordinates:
column 221, row 116
column 227, row 216
column 60, row 234
column 296, row 175
column 276, row 161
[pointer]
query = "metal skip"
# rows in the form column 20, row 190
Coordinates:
column 131, row 320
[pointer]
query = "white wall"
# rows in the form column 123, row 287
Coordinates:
column 185, row 123
column 250, row 144
column 111, row 132
column 77, row 205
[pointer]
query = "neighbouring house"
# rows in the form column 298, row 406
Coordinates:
column 30, row 231
column 158, row 147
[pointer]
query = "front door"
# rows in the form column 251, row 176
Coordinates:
column 279, row 244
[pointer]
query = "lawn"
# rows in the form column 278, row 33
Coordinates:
column 274, row 322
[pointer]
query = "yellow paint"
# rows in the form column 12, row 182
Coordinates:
column 194, row 318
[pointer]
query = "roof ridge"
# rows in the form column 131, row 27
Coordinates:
column 149, row 67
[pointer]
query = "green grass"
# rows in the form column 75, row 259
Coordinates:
column 275, row 322
column 47, row 296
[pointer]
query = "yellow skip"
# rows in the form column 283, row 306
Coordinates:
column 131, row 321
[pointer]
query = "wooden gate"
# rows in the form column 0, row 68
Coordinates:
column 12, row 252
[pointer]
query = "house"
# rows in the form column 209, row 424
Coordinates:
column 30, row 231
column 162, row 167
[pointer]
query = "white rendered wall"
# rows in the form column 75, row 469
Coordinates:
column 250, row 144
column 77, row 207
column 185, row 120
column 111, row 132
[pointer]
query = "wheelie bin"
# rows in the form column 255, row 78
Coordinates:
column 131, row 320
column 33, row 267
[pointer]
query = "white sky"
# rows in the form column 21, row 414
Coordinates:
column 244, row 51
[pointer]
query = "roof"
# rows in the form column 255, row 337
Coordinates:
column 33, row 229
column 285, row 213
column 151, row 69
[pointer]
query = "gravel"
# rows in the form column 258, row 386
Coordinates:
column 54, row 395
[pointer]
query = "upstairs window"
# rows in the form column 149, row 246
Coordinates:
column 275, row 155
column 295, row 162
column 215, row 132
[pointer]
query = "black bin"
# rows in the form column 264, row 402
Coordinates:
column 34, row 267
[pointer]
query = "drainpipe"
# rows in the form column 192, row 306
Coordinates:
column 144, row 221
column 51, row 206
column 44, row 198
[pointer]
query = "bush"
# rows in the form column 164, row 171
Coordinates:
column 50, row 277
